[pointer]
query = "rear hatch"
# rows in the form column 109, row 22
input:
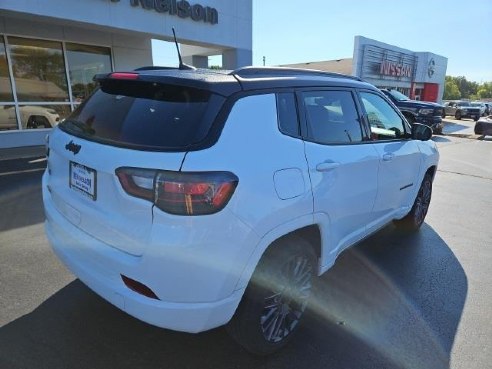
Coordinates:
column 127, row 124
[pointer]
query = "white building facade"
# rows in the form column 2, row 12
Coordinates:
column 419, row 75
column 50, row 50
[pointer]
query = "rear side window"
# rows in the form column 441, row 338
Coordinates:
column 145, row 115
column 332, row 117
column 287, row 114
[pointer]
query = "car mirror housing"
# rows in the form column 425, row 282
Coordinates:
column 421, row 132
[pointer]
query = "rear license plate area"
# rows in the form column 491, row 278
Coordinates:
column 83, row 180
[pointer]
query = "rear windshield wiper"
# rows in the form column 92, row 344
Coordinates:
column 78, row 126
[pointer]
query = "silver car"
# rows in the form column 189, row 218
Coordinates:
column 461, row 109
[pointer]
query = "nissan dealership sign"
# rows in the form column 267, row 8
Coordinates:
column 390, row 68
column 381, row 63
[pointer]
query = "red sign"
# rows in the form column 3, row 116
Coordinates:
column 389, row 68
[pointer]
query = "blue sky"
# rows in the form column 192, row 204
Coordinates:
column 291, row 31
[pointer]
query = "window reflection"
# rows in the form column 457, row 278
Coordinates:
column 8, row 119
column 39, row 70
column 5, row 85
column 83, row 63
column 45, row 116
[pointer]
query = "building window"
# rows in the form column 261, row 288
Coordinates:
column 83, row 63
column 39, row 70
column 45, row 80
column 42, row 116
column 8, row 117
column 5, row 84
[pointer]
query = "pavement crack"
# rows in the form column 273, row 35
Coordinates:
column 464, row 174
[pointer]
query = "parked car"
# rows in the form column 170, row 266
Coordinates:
column 193, row 199
column 32, row 116
column 481, row 105
column 484, row 126
column 427, row 113
column 461, row 109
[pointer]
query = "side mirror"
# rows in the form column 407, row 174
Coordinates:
column 421, row 132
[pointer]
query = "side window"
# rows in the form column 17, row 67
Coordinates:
column 332, row 117
column 287, row 114
column 385, row 122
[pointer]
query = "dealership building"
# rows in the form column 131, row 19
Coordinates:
column 419, row 75
column 50, row 50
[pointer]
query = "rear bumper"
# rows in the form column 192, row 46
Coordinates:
column 100, row 267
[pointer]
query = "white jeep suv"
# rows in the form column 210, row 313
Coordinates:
column 192, row 199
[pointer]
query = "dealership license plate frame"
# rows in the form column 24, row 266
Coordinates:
column 79, row 187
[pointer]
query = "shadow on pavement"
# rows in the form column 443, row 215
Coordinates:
column 394, row 301
column 20, row 189
column 440, row 139
column 452, row 127
column 401, row 294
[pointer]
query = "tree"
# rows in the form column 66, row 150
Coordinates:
column 451, row 90
column 467, row 89
column 485, row 90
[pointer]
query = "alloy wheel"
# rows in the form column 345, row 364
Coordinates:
column 284, row 307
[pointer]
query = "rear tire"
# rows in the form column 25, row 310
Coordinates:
column 457, row 115
column 276, row 297
column 478, row 129
column 415, row 218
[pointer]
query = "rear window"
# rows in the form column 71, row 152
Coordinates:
column 145, row 115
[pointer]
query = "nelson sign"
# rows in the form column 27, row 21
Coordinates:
column 182, row 9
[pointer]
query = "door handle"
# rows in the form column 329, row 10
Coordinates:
column 326, row 166
column 388, row 157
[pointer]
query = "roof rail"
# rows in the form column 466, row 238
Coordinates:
column 283, row 71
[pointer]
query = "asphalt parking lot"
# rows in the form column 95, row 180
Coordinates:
column 461, row 128
column 393, row 301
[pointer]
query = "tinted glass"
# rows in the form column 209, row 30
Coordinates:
column 287, row 114
column 8, row 118
column 385, row 122
column 5, row 85
column 46, row 116
column 39, row 70
column 332, row 117
column 398, row 95
column 146, row 115
column 83, row 63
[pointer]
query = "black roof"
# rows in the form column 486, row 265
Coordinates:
column 247, row 79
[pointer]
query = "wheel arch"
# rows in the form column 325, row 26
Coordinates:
column 308, row 231
column 432, row 171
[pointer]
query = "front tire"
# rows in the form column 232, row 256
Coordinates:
column 32, row 123
column 276, row 297
column 415, row 218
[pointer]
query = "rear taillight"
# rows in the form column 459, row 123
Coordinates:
column 180, row 193
column 137, row 182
